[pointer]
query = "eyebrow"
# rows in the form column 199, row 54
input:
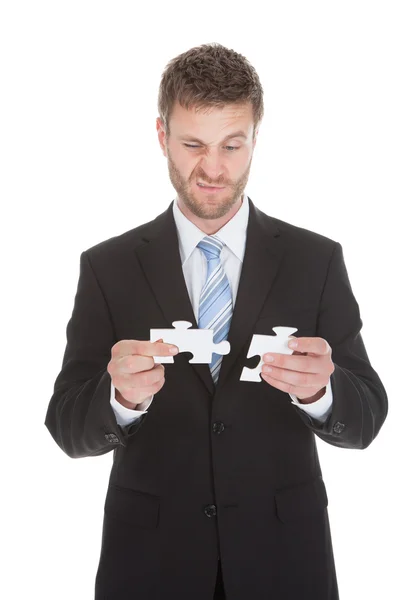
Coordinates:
column 231, row 135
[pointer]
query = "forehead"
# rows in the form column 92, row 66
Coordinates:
column 213, row 120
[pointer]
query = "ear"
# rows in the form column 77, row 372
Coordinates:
column 161, row 135
column 256, row 137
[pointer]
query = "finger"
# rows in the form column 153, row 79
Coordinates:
column 296, row 378
column 142, row 347
column 144, row 379
column 293, row 362
column 316, row 345
column 281, row 385
column 284, row 386
column 134, row 363
column 147, row 379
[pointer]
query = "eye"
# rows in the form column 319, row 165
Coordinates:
column 231, row 147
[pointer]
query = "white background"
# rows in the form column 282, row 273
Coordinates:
column 81, row 162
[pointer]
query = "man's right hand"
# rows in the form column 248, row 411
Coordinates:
column 133, row 372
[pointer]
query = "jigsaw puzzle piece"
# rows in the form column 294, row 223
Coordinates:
column 222, row 348
column 261, row 344
column 198, row 341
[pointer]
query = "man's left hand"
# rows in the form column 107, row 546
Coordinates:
column 305, row 373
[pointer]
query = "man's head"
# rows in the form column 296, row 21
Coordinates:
column 207, row 94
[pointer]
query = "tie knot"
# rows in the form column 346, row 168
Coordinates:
column 211, row 246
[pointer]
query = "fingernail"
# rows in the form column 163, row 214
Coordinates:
column 173, row 350
column 293, row 344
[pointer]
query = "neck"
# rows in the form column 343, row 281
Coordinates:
column 209, row 226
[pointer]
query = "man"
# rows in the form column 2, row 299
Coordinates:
column 216, row 489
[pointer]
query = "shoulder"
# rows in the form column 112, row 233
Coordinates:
column 118, row 245
column 299, row 238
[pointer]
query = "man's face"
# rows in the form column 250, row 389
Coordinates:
column 198, row 150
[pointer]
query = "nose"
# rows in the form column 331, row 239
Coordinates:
column 212, row 169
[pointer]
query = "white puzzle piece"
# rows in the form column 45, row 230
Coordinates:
column 261, row 344
column 198, row 341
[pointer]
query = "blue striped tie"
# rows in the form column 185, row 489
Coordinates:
column 215, row 302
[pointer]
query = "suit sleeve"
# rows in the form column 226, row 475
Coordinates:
column 80, row 417
column 360, row 402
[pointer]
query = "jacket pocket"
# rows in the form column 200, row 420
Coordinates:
column 131, row 506
column 301, row 501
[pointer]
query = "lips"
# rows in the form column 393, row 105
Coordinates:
column 215, row 187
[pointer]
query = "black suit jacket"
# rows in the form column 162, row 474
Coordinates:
column 230, row 470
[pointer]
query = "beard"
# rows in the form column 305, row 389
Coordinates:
column 223, row 202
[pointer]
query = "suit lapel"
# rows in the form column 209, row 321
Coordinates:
column 159, row 256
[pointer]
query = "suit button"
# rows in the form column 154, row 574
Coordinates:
column 112, row 438
column 210, row 510
column 218, row 427
column 338, row 427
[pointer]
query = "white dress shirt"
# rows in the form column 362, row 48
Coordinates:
column 194, row 266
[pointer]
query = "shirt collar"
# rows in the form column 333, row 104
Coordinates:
column 233, row 233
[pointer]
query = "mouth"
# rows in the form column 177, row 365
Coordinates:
column 209, row 188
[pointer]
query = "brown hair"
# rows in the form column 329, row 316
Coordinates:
column 207, row 76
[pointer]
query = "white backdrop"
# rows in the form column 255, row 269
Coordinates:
column 81, row 162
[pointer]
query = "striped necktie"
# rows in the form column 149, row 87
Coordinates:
column 215, row 302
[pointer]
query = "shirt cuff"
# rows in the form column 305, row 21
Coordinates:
column 320, row 409
column 125, row 416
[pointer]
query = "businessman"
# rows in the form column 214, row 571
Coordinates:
column 216, row 489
